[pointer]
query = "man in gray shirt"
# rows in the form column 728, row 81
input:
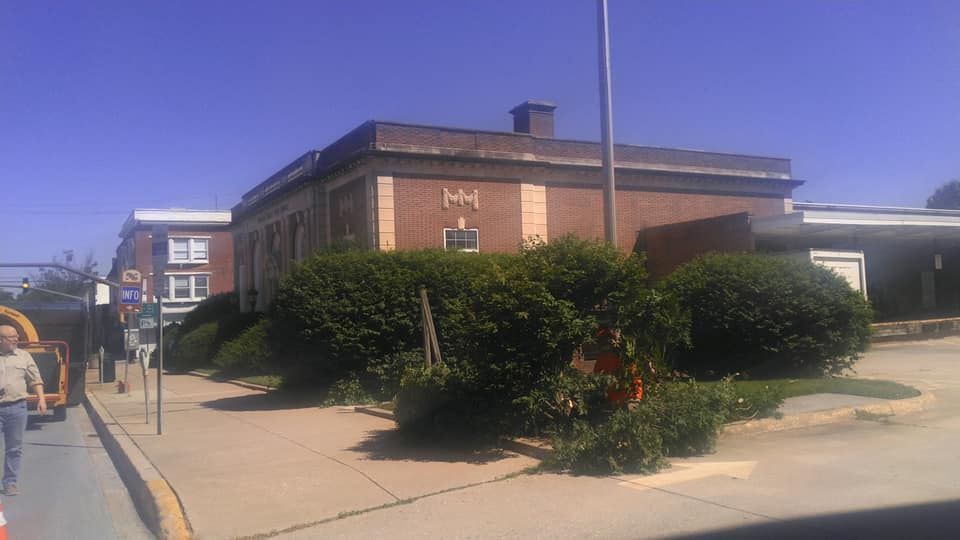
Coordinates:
column 18, row 372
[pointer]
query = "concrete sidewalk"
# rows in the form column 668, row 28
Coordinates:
column 244, row 462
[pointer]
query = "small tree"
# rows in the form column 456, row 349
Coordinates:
column 56, row 279
column 946, row 197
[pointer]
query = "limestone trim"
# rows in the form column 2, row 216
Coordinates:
column 533, row 211
column 385, row 215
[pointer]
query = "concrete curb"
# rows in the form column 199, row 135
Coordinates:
column 890, row 408
column 244, row 384
column 540, row 448
column 374, row 411
column 155, row 500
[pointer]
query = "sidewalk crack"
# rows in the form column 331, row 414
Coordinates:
column 317, row 452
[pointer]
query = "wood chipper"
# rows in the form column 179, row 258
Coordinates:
column 52, row 358
column 53, row 361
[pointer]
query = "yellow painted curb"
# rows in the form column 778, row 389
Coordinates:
column 155, row 500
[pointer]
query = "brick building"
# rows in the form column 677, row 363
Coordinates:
column 389, row 186
column 199, row 260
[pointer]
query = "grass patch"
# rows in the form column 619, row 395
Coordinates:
column 271, row 381
column 837, row 385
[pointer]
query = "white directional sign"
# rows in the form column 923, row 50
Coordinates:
column 689, row 471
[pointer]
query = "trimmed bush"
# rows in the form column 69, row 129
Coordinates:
column 673, row 419
column 339, row 311
column 348, row 391
column 383, row 375
column 508, row 326
column 212, row 309
column 247, row 353
column 195, row 348
column 768, row 315
column 689, row 415
column 626, row 442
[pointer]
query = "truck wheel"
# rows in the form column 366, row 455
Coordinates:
column 60, row 413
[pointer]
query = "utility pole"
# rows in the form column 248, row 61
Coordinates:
column 606, row 128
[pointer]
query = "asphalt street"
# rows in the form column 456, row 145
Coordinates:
column 69, row 488
column 886, row 477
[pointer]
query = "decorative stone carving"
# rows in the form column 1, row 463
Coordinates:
column 345, row 204
column 460, row 198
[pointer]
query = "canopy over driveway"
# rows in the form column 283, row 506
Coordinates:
column 912, row 255
column 844, row 222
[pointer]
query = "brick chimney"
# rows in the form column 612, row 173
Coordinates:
column 534, row 117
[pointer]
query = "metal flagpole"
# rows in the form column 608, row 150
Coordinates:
column 606, row 128
column 160, row 364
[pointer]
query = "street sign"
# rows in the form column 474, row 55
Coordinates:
column 133, row 339
column 149, row 309
column 131, row 276
column 130, row 296
column 148, row 316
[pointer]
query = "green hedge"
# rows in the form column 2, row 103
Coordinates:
column 249, row 352
column 223, row 311
column 508, row 325
column 674, row 419
column 195, row 348
column 769, row 315
column 211, row 309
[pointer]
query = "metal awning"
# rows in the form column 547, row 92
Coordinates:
column 831, row 221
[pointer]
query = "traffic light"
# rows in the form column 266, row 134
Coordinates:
column 26, row 284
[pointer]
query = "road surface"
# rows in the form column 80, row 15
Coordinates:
column 69, row 488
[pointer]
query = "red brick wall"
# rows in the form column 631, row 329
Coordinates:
column 579, row 210
column 220, row 266
column 420, row 220
column 670, row 246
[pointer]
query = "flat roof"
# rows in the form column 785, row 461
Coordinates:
column 399, row 138
column 825, row 220
column 174, row 216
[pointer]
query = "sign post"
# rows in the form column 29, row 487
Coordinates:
column 130, row 302
column 160, row 249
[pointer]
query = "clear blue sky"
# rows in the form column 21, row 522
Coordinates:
column 107, row 106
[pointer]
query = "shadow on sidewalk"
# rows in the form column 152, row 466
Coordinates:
column 390, row 445
column 928, row 520
column 270, row 401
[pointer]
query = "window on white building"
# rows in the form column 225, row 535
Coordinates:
column 189, row 250
column 201, row 286
column 184, row 287
column 461, row 239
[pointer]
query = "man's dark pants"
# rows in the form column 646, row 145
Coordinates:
column 13, row 423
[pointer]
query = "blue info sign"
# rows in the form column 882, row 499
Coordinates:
column 130, row 298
